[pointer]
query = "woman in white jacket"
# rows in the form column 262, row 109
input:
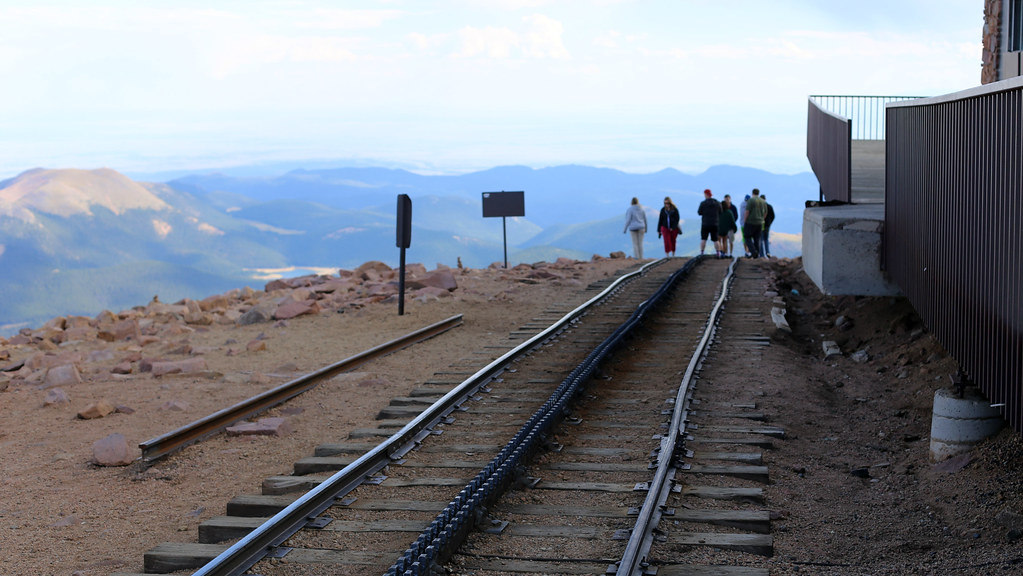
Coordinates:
column 635, row 225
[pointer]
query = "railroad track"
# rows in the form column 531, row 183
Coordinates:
column 475, row 491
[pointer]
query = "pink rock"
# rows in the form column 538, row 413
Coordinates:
column 127, row 330
column 543, row 275
column 300, row 294
column 112, row 451
column 376, row 266
column 380, row 289
column 64, row 523
column 415, row 269
column 52, row 335
column 122, row 368
column 264, row 427
column 185, row 366
column 78, row 322
column 217, row 302
column 58, row 323
column 175, row 406
column 19, row 340
column 66, row 375
column 50, row 360
column 96, row 410
column 437, row 279
column 103, row 355
column 431, row 292
column 148, row 340
column 292, row 309
column 278, row 284
column 334, row 285
column 56, row 396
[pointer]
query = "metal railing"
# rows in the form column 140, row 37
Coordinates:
column 954, row 193
column 865, row 113
column 828, row 150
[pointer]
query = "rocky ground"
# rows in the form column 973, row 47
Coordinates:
column 854, row 490
column 853, row 486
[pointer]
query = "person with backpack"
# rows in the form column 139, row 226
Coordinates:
column 753, row 223
column 727, row 227
column 765, row 244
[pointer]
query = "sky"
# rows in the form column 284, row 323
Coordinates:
column 450, row 86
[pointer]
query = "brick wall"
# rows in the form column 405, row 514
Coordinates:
column 992, row 35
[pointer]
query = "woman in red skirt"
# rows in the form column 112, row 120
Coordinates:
column 667, row 226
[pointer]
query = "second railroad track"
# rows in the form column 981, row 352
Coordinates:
column 596, row 447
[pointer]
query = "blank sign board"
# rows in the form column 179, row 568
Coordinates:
column 498, row 204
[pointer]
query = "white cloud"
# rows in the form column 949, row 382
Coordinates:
column 609, row 39
column 426, row 42
column 490, row 42
column 243, row 53
column 345, row 19
column 541, row 39
column 127, row 84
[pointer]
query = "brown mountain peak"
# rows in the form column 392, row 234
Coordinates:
column 65, row 192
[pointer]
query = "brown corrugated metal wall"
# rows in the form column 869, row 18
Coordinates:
column 953, row 238
column 827, row 148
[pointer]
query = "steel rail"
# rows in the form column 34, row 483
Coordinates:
column 175, row 440
column 642, row 534
column 450, row 527
column 256, row 544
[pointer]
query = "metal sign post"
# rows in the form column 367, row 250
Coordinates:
column 404, row 240
column 504, row 204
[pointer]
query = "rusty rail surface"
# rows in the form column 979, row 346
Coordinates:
column 161, row 446
column 954, row 194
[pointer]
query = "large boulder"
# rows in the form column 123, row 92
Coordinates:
column 262, row 312
column 443, row 279
column 112, row 451
column 373, row 270
column 291, row 309
column 66, row 375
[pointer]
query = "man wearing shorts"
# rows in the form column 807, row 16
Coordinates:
column 710, row 212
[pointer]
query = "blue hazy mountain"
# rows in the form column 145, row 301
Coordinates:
column 80, row 241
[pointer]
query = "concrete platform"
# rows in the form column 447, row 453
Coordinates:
column 842, row 250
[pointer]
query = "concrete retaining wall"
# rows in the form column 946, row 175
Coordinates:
column 842, row 250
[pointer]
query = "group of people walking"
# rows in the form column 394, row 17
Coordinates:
column 719, row 221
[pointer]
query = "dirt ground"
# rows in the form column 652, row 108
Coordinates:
column 853, row 485
column 853, row 489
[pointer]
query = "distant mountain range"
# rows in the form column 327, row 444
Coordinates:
column 81, row 241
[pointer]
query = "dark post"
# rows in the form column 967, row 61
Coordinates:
column 504, row 231
column 404, row 240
